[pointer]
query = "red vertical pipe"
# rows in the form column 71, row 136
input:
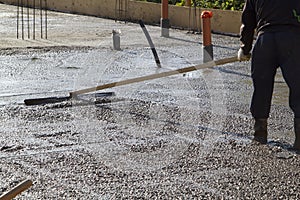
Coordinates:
column 206, row 27
column 164, row 21
column 206, row 32
column 165, row 10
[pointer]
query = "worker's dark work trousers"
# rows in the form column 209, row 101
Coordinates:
column 273, row 50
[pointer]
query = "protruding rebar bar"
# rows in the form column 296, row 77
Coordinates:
column 121, row 9
column 33, row 29
column 28, row 20
column 41, row 15
column 22, row 18
column 46, row 20
column 18, row 17
column 195, row 15
column 126, row 10
column 116, row 18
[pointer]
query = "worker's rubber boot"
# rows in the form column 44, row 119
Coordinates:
column 297, row 134
column 261, row 131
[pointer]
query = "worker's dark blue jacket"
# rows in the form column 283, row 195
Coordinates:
column 268, row 15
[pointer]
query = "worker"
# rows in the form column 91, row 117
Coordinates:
column 277, row 25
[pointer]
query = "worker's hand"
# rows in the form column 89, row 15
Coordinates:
column 242, row 57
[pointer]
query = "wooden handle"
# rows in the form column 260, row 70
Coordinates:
column 16, row 190
column 155, row 76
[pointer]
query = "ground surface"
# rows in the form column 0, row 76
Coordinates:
column 185, row 136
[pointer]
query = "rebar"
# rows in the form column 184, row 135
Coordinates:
column 18, row 17
column 190, row 11
column 195, row 15
column 121, row 9
column 28, row 20
column 126, row 10
column 24, row 18
column 41, row 15
column 46, row 19
column 33, row 29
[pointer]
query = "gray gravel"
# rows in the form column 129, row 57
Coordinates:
column 180, row 137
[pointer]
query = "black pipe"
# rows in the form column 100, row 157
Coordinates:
column 150, row 43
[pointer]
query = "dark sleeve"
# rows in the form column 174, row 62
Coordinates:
column 248, row 26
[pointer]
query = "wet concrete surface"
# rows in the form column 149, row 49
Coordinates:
column 179, row 137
